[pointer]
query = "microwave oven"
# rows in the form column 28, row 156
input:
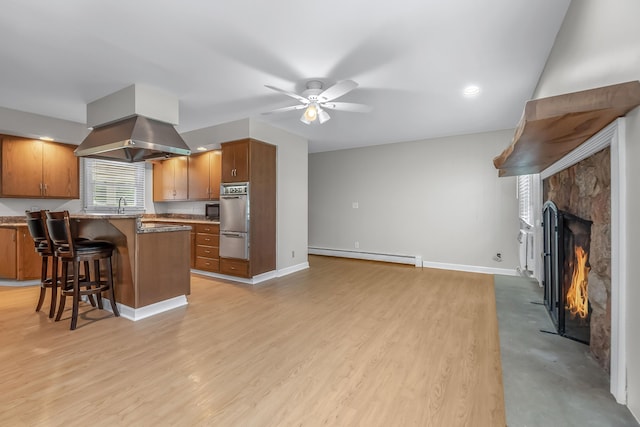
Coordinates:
column 212, row 211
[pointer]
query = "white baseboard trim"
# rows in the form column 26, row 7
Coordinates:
column 255, row 279
column 251, row 281
column 136, row 314
column 471, row 268
column 412, row 260
column 19, row 283
column 294, row 268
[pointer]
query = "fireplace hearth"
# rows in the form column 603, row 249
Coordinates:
column 567, row 240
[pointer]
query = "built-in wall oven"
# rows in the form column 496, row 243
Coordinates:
column 234, row 220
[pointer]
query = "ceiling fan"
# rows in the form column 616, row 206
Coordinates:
column 314, row 100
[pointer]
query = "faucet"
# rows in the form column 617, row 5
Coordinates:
column 120, row 207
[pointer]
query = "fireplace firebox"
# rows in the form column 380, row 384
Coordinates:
column 567, row 240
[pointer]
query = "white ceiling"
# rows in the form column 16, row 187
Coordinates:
column 411, row 58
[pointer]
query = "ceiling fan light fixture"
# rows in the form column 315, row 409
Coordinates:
column 323, row 116
column 315, row 98
column 311, row 113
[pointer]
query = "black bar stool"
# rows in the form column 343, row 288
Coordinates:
column 71, row 251
column 37, row 229
column 37, row 225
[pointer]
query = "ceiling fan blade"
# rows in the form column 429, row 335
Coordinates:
column 337, row 90
column 302, row 99
column 283, row 109
column 347, row 106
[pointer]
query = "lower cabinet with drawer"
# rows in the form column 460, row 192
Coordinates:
column 234, row 267
column 207, row 247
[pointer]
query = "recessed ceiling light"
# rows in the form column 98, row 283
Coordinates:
column 471, row 90
column 46, row 138
column 201, row 148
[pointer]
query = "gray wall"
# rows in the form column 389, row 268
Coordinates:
column 599, row 45
column 440, row 199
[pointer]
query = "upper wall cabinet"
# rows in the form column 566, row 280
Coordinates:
column 204, row 175
column 235, row 161
column 170, row 179
column 32, row 168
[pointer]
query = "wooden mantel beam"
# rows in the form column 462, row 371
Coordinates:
column 552, row 127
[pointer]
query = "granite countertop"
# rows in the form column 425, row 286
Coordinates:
column 13, row 224
column 161, row 228
column 146, row 226
column 147, row 223
column 103, row 216
column 183, row 220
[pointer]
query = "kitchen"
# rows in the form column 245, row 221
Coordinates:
column 247, row 160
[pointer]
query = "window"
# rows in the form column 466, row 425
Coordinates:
column 525, row 203
column 107, row 183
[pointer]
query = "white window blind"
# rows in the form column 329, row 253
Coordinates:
column 525, row 207
column 105, row 182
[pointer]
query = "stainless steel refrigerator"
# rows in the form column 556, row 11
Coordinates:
column 234, row 220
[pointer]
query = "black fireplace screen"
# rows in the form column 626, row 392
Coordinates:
column 567, row 240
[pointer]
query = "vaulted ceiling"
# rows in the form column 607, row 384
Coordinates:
column 411, row 58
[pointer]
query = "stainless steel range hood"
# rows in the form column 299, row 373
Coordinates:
column 134, row 139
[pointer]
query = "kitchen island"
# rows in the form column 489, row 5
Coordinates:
column 151, row 263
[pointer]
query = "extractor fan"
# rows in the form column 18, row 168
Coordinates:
column 314, row 100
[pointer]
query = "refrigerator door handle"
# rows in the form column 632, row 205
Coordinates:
column 234, row 235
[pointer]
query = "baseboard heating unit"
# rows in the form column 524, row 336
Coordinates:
column 369, row 256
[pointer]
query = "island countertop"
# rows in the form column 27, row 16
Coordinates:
column 142, row 226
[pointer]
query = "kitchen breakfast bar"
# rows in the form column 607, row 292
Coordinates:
column 150, row 265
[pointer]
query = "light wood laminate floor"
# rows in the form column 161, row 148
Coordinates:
column 344, row 343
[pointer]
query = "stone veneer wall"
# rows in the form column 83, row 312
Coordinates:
column 585, row 190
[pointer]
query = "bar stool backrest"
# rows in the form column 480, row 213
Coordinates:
column 37, row 228
column 59, row 228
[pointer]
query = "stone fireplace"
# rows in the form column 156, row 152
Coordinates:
column 584, row 190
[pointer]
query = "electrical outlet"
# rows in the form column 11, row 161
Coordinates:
column 354, row 205
column 357, row 244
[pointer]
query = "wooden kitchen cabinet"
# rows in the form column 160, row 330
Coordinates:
column 207, row 247
column 204, row 175
column 171, row 179
column 253, row 161
column 235, row 161
column 32, row 168
column 235, row 267
column 8, row 255
column 18, row 258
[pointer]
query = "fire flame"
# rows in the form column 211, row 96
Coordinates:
column 577, row 296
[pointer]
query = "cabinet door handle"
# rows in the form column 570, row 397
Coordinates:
column 45, row 189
